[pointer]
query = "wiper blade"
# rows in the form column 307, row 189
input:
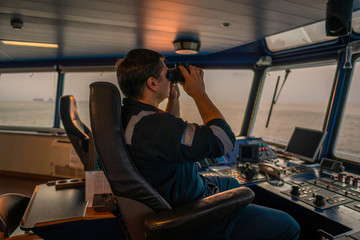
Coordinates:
column 275, row 98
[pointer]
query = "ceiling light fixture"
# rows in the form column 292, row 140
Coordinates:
column 186, row 46
column 30, row 44
column 16, row 23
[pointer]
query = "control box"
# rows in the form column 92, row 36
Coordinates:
column 250, row 149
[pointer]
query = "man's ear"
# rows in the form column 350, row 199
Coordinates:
column 152, row 83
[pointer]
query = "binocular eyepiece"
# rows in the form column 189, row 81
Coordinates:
column 174, row 74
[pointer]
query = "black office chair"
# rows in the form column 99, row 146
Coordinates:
column 12, row 208
column 145, row 214
column 79, row 134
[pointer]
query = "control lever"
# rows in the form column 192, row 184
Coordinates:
column 295, row 190
column 319, row 200
column 248, row 171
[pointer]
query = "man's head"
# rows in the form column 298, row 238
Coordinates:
column 135, row 69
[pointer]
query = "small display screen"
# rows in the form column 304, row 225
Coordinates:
column 249, row 153
column 305, row 143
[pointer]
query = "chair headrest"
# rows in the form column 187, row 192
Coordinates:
column 70, row 117
column 76, row 130
column 108, row 133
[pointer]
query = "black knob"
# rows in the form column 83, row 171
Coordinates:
column 249, row 173
column 319, row 200
column 295, row 190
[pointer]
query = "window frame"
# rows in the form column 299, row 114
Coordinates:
column 35, row 129
column 327, row 62
column 86, row 69
column 346, row 91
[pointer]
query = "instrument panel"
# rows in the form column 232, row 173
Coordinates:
column 331, row 195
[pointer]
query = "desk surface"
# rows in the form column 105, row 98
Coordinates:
column 64, row 214
column 50, row 206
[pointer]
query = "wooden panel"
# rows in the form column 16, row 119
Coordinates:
column 35, row 153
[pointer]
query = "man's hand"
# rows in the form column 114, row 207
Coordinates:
column 194, row 81
column 194, row 86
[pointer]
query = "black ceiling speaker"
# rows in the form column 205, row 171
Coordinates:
column 338, row 17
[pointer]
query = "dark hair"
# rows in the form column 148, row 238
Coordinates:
column 134, row 70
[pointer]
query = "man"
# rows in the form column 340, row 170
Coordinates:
column 165, row 148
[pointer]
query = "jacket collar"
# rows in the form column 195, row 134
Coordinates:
column 144, row 106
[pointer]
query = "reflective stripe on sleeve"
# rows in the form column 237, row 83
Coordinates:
column 129, row 131
column 188, row 135
column 224, row 138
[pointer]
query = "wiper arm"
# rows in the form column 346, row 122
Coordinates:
column 275, row 98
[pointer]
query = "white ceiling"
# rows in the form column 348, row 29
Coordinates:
column 98, row 28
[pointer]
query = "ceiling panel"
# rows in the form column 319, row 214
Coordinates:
column 96, row 28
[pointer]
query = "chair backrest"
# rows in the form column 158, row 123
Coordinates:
column 108, row 132
column 12, row 208
column 135, row 196
column 79, row 134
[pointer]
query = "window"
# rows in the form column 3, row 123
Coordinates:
column 302, row 102
column 347, row 145
column 298, row 37
column 28, row 99
column 77, row 84
column 228, row 89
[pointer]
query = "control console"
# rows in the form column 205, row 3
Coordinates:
column 251, row 160
column 316, row 196
column 224, row 170
column 346, row 185
column 326, row 192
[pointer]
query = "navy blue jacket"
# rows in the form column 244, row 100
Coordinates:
column 165, row 150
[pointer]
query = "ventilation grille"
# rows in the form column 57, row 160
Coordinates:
column 69, row 172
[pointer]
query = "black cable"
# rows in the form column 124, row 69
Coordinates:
column 276, row 184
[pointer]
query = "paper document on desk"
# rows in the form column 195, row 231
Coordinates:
column 95, row 182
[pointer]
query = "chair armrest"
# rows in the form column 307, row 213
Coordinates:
column 203, row 212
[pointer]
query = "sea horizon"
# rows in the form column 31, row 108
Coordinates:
column 40, row 113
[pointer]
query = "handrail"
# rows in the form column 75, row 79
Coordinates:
column 52, row 131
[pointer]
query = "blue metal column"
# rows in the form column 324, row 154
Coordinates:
column 253, row 102
column 337, row 106
column 59, row 92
